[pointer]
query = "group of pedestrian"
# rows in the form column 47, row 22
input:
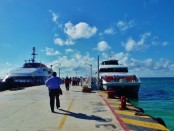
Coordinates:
column 75, row 81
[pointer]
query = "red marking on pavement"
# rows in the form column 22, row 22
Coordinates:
column 116, row 115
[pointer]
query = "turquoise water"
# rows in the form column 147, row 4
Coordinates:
column 156, row 97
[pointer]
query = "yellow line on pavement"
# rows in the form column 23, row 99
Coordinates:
column 65, row 116
column 129, row 108
column 145, row 124
column 129, row 113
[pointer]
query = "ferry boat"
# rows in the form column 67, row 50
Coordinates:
column 32, row 73
column 114, row 76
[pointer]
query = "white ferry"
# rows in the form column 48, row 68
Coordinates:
column 116, row 77
column 32, row 73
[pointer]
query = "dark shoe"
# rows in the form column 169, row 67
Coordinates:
column 52, row 111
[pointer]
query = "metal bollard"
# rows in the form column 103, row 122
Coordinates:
column 111, row 94
column 123, row 102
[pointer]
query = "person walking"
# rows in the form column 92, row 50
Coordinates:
column 53, row 84
column 67, row 82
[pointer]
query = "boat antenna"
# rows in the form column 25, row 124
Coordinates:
column 33, row 54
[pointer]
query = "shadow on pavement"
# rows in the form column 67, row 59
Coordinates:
column 83, row 116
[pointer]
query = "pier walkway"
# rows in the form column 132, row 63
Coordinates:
column 28, row 110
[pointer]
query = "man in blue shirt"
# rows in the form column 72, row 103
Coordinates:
column 53, row 84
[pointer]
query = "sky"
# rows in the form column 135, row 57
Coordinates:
column 71, row 34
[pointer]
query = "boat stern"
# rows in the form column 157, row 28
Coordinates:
column 123, row 86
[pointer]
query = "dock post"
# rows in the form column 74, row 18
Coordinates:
column 111, row 94
column 123, row 102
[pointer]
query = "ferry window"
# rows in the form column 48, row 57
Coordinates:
column 33, row 65
column 113, row 70
column 27, row 65
column 114, row 62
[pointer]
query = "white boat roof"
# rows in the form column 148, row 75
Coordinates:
column 112, row 66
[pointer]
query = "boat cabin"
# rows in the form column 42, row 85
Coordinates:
column 110, row 62
column 33, row 65
column 123, row 69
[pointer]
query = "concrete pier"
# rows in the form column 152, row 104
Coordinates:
column 28, row 110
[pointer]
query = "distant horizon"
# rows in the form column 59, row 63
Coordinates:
column 157, row 77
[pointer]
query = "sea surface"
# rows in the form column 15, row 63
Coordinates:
column 156, row 97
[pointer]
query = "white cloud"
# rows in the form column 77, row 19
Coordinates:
column 8, row 64
column 74, row 65
column 165, row 43
column 147, row 63
column 146, row 67
column 123, row 26
column 77, row 56
column 156, row 42
column 68, row 50
column 164, row 64
column 102, row 46
column 132, row 45
column 54, row 16
column 141, row 67
column 51, row 52
column 122, row 57
column 61, row 42
column 70, row 64
column 151, row 68
column 109, row 31
column 80, row 30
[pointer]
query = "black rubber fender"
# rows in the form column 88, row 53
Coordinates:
column 160, row 121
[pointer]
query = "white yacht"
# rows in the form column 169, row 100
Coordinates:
column 32, row 73
column 116, row 77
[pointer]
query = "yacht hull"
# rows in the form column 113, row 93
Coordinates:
column 29, row 80
column 128, row 89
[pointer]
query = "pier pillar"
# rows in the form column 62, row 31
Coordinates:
column 111, row 94
column 123, row 102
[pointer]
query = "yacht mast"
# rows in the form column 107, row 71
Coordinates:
column 33, row 54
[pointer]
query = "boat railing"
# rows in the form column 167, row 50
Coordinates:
column 120, row 79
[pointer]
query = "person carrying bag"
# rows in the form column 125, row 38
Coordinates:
column 60, row 91
column 53, row 84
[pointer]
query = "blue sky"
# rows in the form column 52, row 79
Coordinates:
column 139, row 33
